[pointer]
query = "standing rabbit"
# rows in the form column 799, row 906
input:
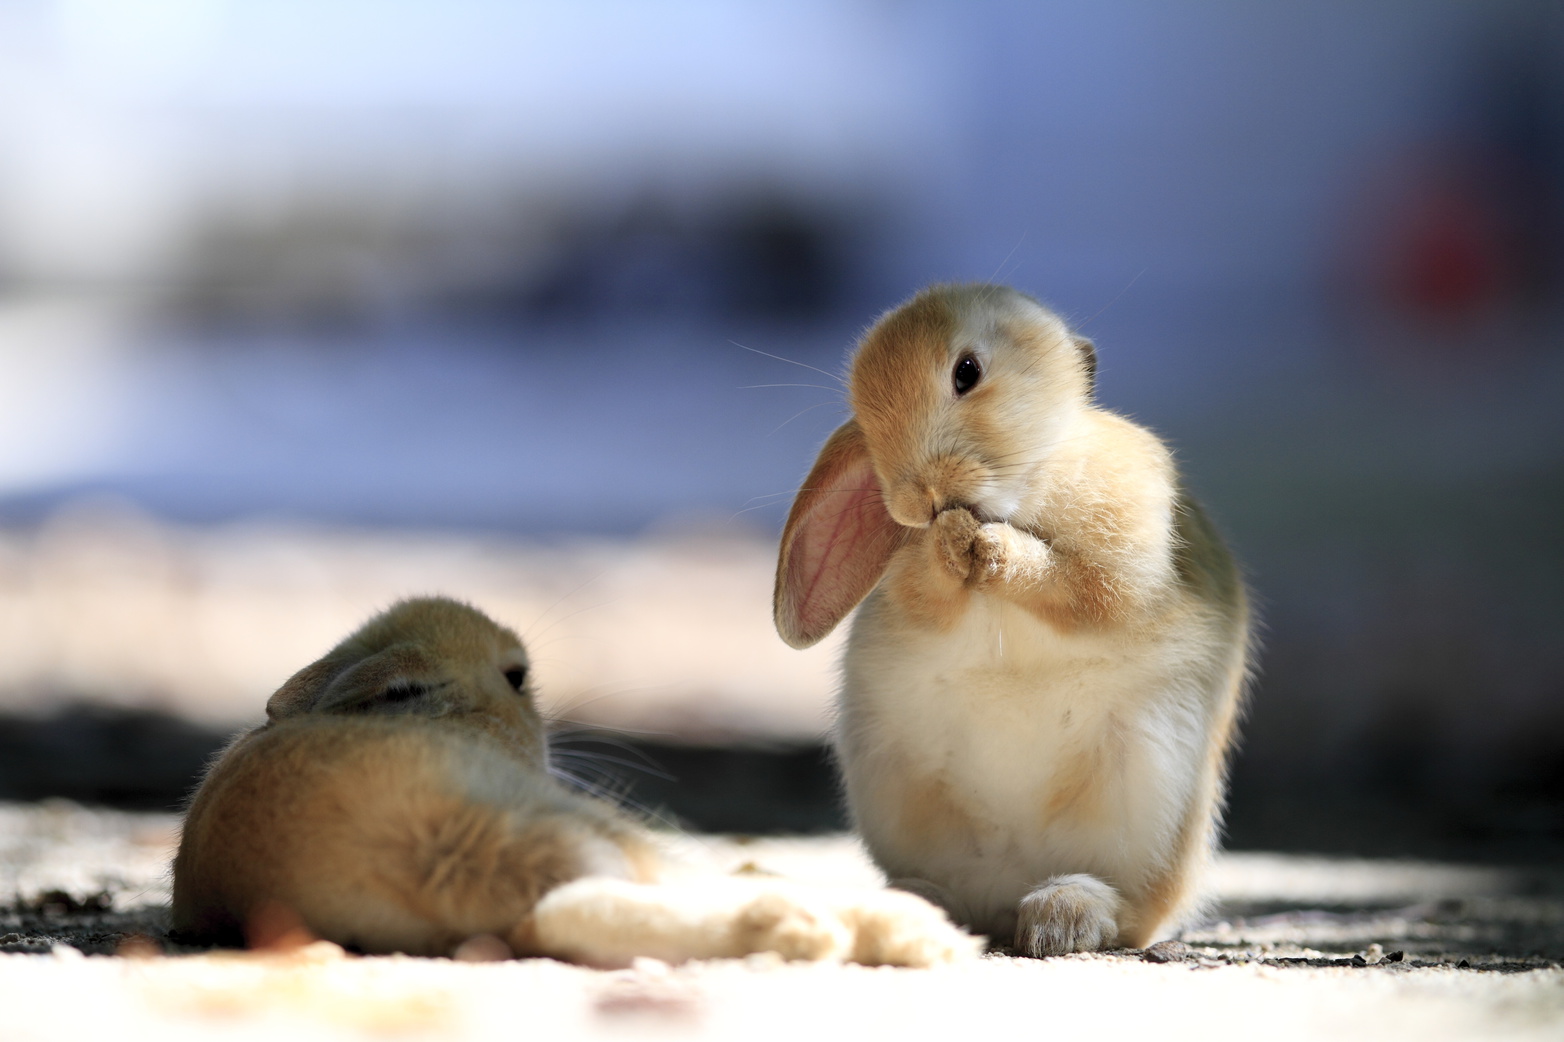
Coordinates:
column 398, row 799
column 1040, row 690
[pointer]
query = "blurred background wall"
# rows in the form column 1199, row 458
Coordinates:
column 529, row 272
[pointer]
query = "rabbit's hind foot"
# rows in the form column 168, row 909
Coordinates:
column 898, row 928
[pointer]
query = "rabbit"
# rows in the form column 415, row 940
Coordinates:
column 1040, row 690
column 398, row 799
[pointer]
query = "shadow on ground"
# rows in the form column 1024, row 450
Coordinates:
column 137, row 759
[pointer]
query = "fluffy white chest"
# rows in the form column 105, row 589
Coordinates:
column 992, row 756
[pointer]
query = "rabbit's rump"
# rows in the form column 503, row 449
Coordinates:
column 372, row 833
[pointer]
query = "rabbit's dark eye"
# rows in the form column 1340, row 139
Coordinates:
column 517, row 677
column 966, row 374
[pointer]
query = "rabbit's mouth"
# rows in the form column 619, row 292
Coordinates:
column 977, row 510
column 942, row 483
column 919, row 511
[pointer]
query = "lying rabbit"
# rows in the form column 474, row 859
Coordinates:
column 1041, row 687
column 398, row 799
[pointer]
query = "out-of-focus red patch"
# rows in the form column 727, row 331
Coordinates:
column 274, row 927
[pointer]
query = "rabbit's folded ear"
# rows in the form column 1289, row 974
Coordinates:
column 302, row 690
column 838, row 540
column 397, row 679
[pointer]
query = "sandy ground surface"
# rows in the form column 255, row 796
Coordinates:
column 1295, row 948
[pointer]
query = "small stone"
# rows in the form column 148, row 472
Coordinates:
column 1358, row 960
column 1395, row 956
column 24, row 944
column 1463, row 965
column 1166, row 951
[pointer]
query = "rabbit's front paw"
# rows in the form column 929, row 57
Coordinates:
column 896, row 928
column 1074, row 913
column 954, row 533
column 991, row 554
column 973, row 553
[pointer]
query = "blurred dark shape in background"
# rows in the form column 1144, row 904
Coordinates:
column 326, row 263
column 490, row 269
column 765, row 258
column 136, row 759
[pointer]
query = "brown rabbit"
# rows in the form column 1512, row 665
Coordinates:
column 1039, row 691
column 398, row 799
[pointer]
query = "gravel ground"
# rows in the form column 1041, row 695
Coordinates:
column 1296, row 947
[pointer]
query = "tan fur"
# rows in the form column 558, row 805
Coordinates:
column 932, row 605
column 1075, row 792
column 1053, row 585
column 387, row 824
column 931, row 813
column 398, row 799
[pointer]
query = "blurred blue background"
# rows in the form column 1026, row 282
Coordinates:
column 547, row 269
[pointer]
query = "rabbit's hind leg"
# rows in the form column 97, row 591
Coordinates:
column 608, row 922
column 900, row 927
column 452, row 870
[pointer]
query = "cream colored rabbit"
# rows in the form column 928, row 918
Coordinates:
column 398, row 799
column 1041, row 687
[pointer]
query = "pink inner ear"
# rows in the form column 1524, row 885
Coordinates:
column 839, row 551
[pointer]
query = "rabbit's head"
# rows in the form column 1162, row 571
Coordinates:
column 960, row 395
column 428, row 656
column 959, row 398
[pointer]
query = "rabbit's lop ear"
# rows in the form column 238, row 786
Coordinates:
column 303, row 690
column 838, row 540
column 398, row 679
